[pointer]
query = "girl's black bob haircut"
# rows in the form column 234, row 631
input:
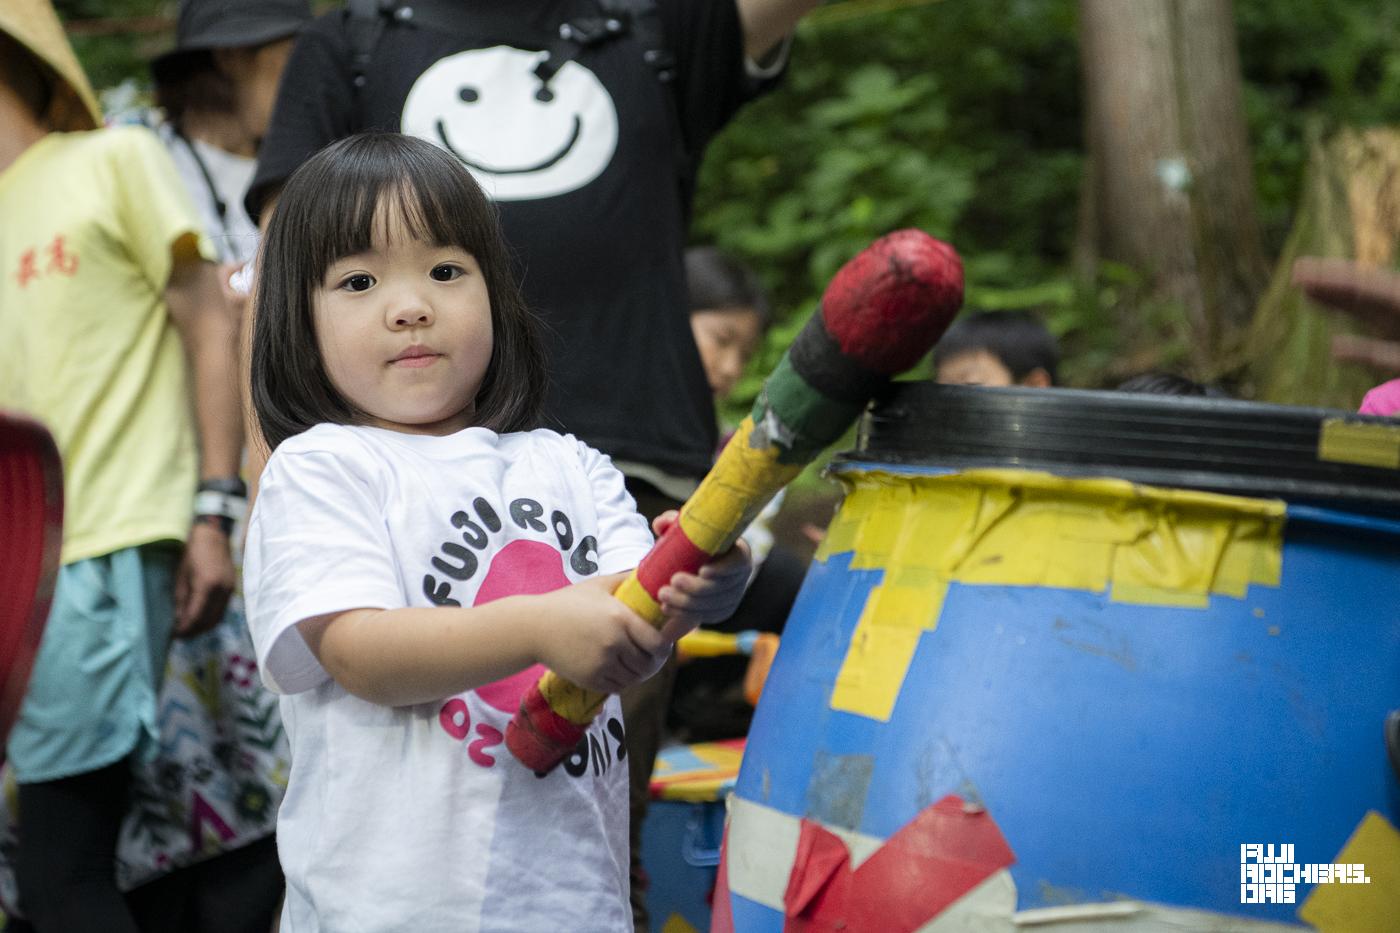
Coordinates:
column 327, row 211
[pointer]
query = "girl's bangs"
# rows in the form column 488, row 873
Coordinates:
column 375, row 190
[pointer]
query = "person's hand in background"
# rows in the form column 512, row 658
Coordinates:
column 1371, row 296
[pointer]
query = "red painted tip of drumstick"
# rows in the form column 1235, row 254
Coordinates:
column 537, row 736
column 893, row 300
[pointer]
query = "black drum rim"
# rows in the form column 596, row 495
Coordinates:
column 1217, row 445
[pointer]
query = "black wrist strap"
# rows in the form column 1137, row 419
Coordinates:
column 221, row 522
column 228, row 485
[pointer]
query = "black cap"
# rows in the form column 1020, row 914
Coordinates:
column 231, row 24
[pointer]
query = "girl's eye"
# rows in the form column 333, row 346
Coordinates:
column 446, row 272
column 360, row 282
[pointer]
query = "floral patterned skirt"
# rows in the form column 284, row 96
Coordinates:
column 218, row 778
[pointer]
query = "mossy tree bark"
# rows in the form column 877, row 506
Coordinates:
column 1350, row 210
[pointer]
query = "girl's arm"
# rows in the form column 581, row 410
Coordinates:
column 398, row 657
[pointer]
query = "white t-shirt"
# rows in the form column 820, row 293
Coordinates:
column 418, row 818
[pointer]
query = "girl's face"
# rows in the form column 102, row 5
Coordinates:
column 405, row 331
column 726, row 338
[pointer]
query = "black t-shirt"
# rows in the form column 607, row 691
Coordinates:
column 586, row 171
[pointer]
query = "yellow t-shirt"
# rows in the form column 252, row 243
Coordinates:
column 90, row 228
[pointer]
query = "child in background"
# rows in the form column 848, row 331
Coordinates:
column 1160, row 383
column 416, row 553
column 118, row 339
column 729, row 316
column 997, row 348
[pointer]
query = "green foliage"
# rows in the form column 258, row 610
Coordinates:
column 1311, row 68
column 957, row 118
column 111, row 59
column 963, row 118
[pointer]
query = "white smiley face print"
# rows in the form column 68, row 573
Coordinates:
column 521, row 139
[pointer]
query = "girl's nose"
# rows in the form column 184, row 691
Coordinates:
column 410, row 313
column 410, row 318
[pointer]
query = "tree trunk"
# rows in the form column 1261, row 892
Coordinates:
column 1350, row 209
column 1172, row 182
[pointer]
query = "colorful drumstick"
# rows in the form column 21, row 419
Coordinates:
column 880, row 314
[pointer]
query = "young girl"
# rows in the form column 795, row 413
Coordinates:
column 416, row 555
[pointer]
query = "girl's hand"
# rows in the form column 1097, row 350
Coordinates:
column 589, row 637
column 711, row 596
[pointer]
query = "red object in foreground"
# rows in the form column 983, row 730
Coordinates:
column 31, row 531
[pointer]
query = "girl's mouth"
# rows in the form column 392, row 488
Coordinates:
column 416, row 357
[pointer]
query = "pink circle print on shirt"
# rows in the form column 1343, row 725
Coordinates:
column 521, row 568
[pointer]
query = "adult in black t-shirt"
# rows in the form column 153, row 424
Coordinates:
column 590, row 146
column 591, row 170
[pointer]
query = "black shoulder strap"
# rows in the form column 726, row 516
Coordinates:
column 646, row 25
column 658, row 53
column 366, row 19
column 364, row 23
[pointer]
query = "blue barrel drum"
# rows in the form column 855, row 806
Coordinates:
column 1086, row 661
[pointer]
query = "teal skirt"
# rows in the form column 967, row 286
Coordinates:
column 92, row 695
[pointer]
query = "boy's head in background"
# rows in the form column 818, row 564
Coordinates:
column 728, row 314
column 997, row 348
column 1161, row 383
